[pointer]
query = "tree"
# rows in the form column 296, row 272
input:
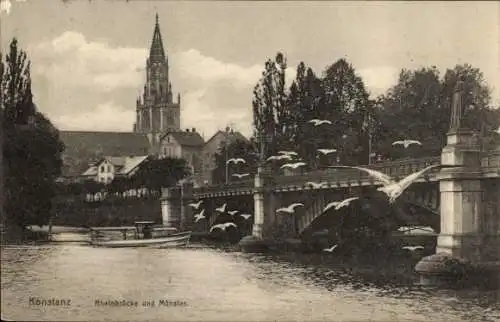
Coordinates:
column 31, row 146
column 412, row 110
column 236, row 149
column 305, row 100
column 270, row 113
column 155, row 174
column 418, row 107
column 346, row 104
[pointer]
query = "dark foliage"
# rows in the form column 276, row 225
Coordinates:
column 236, row 149
column 31, row 146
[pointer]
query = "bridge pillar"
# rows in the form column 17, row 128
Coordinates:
column 464, row 233
column 264, row 205
column 186, row 220
column 170, row 207
column 264, row 212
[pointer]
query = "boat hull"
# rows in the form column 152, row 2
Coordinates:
column 175, row 240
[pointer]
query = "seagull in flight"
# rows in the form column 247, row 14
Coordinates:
column 241, row 175
column 291, row 153
column 196, row 205
column 406, row 143
column 199, row 216
column 223, row 226
column 291, row 208
column 319, row 122
column 330, row 205
column 390, row 187
column 236, row 160
column 316, row 185
column 413, row 248
column 233, row 212
column 280, row 157
column 327, row 151
column 339, row 204
column 331, row 249
column 293, row 165
column 221, row 208
column 246, row 216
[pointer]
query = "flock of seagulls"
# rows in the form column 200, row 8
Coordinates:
column 221, row 210
column 392, row 188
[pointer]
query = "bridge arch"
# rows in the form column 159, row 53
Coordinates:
column 419, row 207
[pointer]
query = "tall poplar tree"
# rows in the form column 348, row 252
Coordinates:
column 31, row 146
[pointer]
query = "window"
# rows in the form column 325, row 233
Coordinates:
column 102, row 168
column 108, row 168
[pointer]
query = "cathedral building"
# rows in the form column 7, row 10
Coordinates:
column 156, row 132
column 156, row 111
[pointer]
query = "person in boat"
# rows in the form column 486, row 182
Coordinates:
column 147, row 232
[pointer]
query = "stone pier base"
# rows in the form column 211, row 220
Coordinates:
column 254, row 244
column 444, row 270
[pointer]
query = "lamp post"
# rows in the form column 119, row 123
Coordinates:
column 227, row 158
column 369, row 147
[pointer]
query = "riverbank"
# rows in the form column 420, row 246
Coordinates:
column 34, row 233
column 18, row 235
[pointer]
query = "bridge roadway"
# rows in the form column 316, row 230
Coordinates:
column 338, row 178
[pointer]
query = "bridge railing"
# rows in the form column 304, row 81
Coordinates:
column 491, row 160
column 242, row 184
column 395, row 169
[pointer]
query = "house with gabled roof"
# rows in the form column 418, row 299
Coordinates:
column 108, row 168
column 212, row 147
column 187, row 145
column 83, row 149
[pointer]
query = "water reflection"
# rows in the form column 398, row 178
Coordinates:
column 217, row 286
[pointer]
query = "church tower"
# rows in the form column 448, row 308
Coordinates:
column 157, row 113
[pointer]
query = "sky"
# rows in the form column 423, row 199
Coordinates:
column 88, row 57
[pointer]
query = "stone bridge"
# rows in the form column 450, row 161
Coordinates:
column 422, row 198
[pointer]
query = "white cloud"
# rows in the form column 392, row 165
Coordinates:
column 5, row 6
column 207, row 114
column 217, row 93
column 378, row 79
column 71, row 60
column 214, row 93
column 208, row 69
column 106, row 117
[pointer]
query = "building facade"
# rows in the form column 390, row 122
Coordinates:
column 212, row 147
column 156, row 111
column 187, row 145
column 108, row 168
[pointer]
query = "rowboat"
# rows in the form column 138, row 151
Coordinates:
column 143, row 234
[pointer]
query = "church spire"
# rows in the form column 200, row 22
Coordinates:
column 156, row 53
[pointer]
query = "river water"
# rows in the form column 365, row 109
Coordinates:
column 207, row 284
